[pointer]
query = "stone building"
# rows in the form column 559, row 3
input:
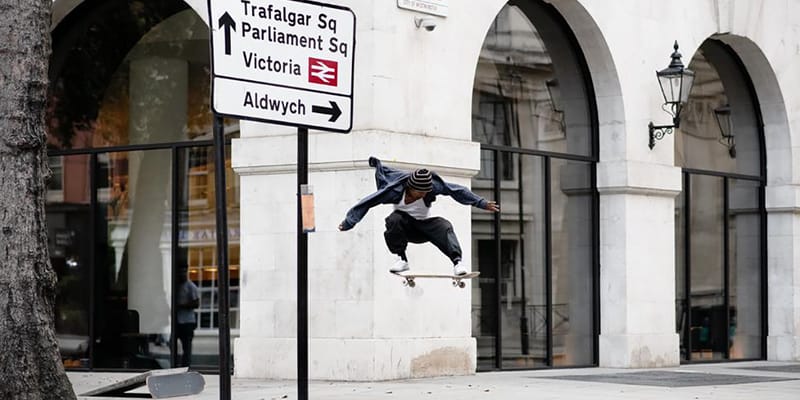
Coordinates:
column 611, row 250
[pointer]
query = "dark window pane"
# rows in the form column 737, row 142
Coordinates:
column 708, row 322
column 131, row 77
column 529, row 89
column 572, row 248
column 744, row 234
column 68, row 225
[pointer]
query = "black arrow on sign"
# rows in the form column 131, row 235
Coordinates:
column 227, row 22
column 334, row 111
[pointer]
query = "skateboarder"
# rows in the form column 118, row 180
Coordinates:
column 412, row 194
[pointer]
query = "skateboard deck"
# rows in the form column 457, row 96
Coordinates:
column 458, row 280
column 174, row 385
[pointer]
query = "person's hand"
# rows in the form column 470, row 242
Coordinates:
column 492, row 206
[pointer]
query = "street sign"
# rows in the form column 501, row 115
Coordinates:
column 287, row 62
column 433, row 7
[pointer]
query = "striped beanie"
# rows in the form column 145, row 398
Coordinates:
column 421, row 180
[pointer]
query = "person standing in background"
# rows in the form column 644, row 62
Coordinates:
column 188, row 301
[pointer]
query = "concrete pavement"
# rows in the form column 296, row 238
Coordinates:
column 728, row 381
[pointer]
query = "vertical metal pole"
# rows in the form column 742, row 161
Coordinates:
column 498, row 340
column 687, row 260
column 222, row 261
column 548, row 259
column 302, row 269
column 523, row 320
column 173, row 326
column 94, row 218
column 726, row 271
column 762, row 210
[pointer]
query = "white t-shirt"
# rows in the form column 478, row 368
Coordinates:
column 416, row 209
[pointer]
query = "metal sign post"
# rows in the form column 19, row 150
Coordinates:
column 287, row 62
column 302, row 268
column 222, row 261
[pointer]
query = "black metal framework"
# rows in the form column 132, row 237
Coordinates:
column 547, row 158
column 500, row 153
column 175, row 148
column 688, row 173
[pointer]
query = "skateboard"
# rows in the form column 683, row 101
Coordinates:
column 458, row 280
column 173, row 385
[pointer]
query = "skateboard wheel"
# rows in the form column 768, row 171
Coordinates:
column 455, row 283
column 405, row 282
column 411, row 284
column 462, row 284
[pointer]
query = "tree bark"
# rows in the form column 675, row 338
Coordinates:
column 30, row 363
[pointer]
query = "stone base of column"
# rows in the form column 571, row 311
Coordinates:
column 640, row 351
column 783, row 348
column 357, row 359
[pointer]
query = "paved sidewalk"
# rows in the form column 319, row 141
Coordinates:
column 730, row 381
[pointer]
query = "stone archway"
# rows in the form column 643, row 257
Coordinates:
column 782, row 200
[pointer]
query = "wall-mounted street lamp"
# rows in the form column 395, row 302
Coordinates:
column 676, row 83
column 723, row 117
column 554, row 91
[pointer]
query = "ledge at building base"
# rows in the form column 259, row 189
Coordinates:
column 357, row 359
column 783, row 348
column 639, row 351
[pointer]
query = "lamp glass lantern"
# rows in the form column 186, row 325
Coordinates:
column 676, row 83
column 723, row 116
column 554, row 92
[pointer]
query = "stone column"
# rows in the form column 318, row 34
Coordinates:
column 783, row 273
column 412, row 107
column 364, row 324
column 637, row 264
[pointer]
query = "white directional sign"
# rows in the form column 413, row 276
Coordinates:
column 283, row 61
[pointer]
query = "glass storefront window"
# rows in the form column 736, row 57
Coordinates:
column 526, row 95
column 134, row 249
column 164, row 73
column 131, row 205
column 720, row 216
column 69, row 218
column 572, row 267
column 535, row 301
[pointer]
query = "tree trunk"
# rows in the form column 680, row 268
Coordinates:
column 30, row 363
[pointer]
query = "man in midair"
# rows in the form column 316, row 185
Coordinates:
column 412, row 193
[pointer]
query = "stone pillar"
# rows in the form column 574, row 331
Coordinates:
column 364, row 324
column 637, row 259
column 412, row 107
column 783, row 273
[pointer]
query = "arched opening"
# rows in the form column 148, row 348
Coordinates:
column 130, row 207
column 535, row 117
column 720, row 214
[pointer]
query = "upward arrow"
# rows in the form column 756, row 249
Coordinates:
column 225, row 21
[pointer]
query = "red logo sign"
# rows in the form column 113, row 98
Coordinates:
column 323, row 72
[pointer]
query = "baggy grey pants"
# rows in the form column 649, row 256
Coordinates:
column 402, row 228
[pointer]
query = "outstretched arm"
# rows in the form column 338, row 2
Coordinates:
column 465, row 196
column 360, row 209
